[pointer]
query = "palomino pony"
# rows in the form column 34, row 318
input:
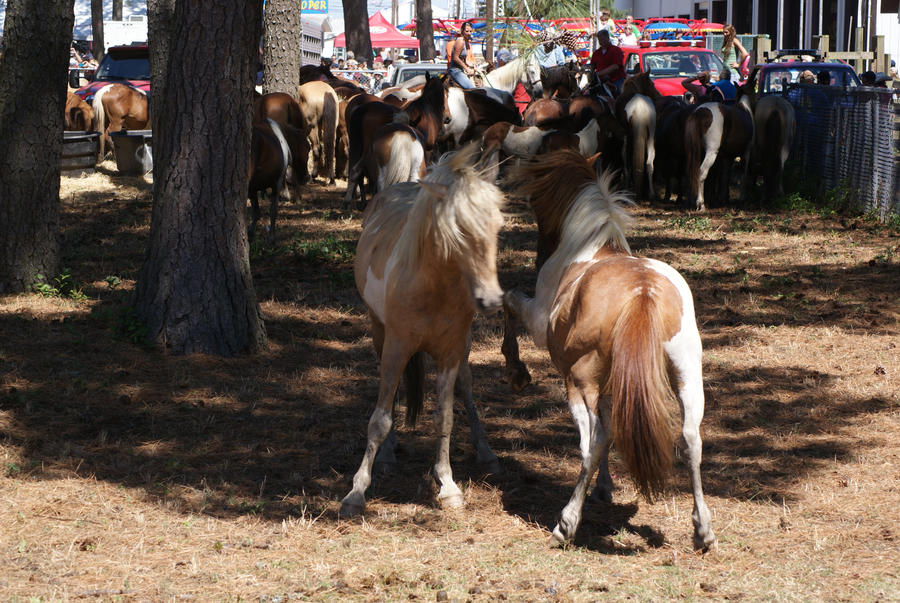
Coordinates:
column 714, row 134
column 79, row 114
column 426, row 261
column 319, row 104
column 118, row 107
column 621, row 330
column 635, row 109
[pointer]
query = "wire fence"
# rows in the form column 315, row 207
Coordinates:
column 370, row 79
column 845, row 140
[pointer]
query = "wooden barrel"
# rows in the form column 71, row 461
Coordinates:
column 79, row 152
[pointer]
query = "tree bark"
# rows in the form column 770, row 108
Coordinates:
column 97, row 46
column 489, row 30
column 281, row 47
column 356, row 27
column 195, row 292
column 33, row 71
column 425, row 30
column 160, row 17
column 117, row 10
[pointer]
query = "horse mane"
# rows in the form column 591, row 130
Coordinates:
column 507, row 75
column 573, row 205
column 640, row 83
column 453, row 206
column 430, row 101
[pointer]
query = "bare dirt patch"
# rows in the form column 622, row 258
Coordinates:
column 128, row 474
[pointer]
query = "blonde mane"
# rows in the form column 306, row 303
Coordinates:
column 453, row 209
column 505, row 77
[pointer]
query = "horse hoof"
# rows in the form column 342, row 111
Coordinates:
column 557, row 539
column 706, row 544
column 518, row 378
column 601, row 495
column 453, row 501
column 352, row 506
column 491, row 467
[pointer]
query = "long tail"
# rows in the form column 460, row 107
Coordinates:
column 693, row 150
column 329, row 132
column 414, row 376
column 407, row 154
column 100, row 118
column 642, row 397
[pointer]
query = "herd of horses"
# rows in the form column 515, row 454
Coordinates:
column 424, row 161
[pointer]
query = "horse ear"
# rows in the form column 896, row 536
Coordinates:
column 435, row 189
column 594, row 161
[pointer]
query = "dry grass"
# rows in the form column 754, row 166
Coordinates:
column 127, row 474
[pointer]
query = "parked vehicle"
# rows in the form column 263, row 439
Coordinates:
column 407, row 71
column 121, row 65
column 787, row 65
column 670, row 64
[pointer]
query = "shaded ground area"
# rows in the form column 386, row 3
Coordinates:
column 129, row 473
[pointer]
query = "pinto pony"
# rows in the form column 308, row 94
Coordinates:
column 714, row 134
column 319, row 104
column 620, row 329
column 425, row 262
column 118, row 107
column 398, row 152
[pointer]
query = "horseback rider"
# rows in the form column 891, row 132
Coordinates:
column 608, row 61
column 460, row 59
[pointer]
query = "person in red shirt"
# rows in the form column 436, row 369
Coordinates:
column 608, row 61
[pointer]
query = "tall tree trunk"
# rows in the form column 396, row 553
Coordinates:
column 160, row 18
column 33, row 69
column 489, row 30
column 195, row 291
column 281, row 47
column 356, row 28
column 97, row 29
column 117, row 10
column 424, row 30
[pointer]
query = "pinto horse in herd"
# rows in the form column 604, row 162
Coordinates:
column 118, row 107
column 622, row 332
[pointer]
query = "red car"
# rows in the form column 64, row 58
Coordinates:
column 121, row 65
column 670, row 63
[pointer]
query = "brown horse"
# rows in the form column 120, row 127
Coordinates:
column 471, row 113
column 425, row 262
column 285, row 111
column 79, row 114
column 117, row 107
column 428, row 112
column 274, row 148
column 544, row 110
column 362, row 124
column 671, row 162
column 774, row 123
column 621, row 330
column 319, row 104
column 342, row 145
column 714, row 135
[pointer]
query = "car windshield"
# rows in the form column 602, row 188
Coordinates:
column 777, row 77
column 681, row 64
column 408, row 74
column 131, row 68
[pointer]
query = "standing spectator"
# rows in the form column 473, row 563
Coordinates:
column 340, row 64
column 733, row 52
column 607, row 24
column 630, row 33
column 608, row 61
column 549, row 54
column 389, row 65
column 461, row 63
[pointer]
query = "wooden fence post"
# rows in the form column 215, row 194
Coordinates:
column 762, row 45
column 823, row 44
column 859, row 64
column 880, row 63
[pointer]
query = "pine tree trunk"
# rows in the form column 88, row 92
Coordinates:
column 281, row 47
column 195, row 292
column 97, row 29
column 160, row 16
column 489, row 28
column 356, row 28
column 117, row 10
column 424, row 30
column 33, row 71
